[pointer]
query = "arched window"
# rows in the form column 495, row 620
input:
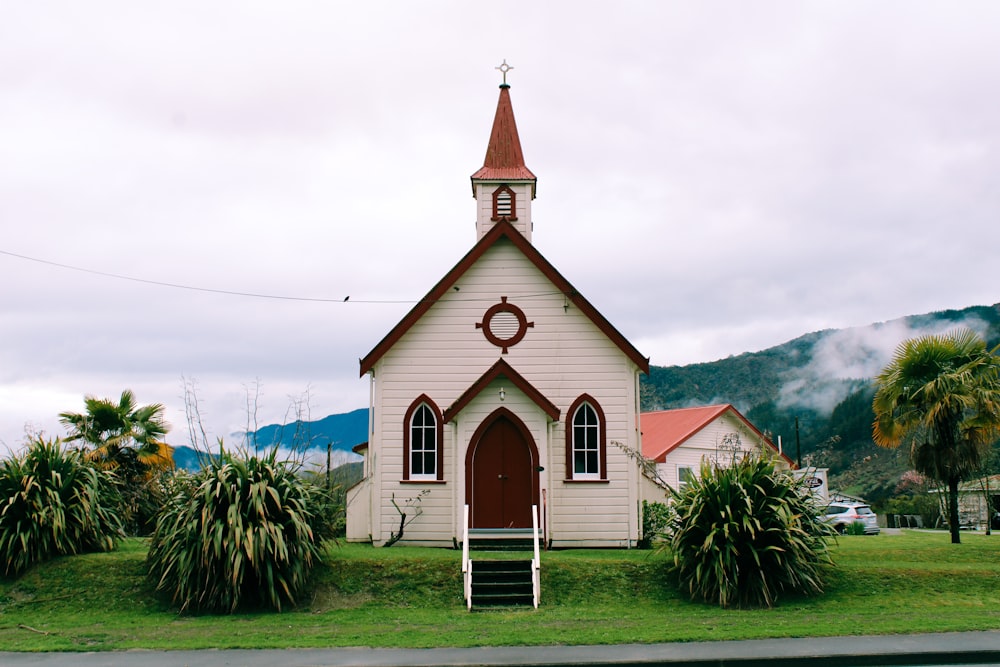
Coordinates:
column 504, row 204
column 586, row 449
column 422, row 453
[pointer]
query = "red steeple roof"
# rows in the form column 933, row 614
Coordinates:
column 504, row 160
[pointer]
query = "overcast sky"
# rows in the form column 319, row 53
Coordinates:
column 715, row 177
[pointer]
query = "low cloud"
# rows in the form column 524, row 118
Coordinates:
column 843, row 360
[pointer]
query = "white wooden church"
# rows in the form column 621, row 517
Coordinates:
column 502, row 389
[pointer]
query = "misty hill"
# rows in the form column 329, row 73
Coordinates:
column 813, row 372
column 822, row 382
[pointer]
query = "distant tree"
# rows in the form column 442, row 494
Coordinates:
column 124, row 437
column 111, row 428
column 941, row 395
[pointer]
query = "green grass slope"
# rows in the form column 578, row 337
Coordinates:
column 410, row 597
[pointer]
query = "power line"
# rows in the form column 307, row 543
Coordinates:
column 253, row 295
column 166, row 284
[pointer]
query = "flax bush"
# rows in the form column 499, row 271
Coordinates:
column 237, row 535
column 53, row 503
column 744, row 534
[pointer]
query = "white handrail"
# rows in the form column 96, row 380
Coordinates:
column 468, row 588
column 536, row 563
column 466, row 563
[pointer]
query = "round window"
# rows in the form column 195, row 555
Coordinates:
column 504, row 324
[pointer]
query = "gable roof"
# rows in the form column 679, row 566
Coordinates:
column 504, row 159
column 502, row 369
column 503, row 230
column 664, row 431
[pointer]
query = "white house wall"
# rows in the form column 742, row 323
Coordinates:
column 563, row 356
column 707, row 444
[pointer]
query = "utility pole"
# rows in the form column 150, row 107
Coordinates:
column 329, row 446
column 798, row 447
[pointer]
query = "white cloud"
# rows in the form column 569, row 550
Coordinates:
column 716, row 178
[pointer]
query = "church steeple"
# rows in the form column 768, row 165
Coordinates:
column 504, row 186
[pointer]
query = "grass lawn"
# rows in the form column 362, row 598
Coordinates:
column 412, row 597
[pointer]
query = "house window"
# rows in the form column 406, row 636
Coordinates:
column 586, row 454
column 504, row 204
column 685, row 474
column 423, row 456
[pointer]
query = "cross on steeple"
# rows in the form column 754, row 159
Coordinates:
column 504, row 186
column 504, row 68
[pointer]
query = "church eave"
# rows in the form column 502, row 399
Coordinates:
column 505, row 176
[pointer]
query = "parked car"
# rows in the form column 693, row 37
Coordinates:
column 842, row 515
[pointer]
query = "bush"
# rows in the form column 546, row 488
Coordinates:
column 327, row 517
column 655, row 521
column 923, row 504
column 742, row 535
column 53, row 503
column 239, row 534
column 855, row 528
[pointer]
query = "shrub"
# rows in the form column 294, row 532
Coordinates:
column 922, row 504
column 327, row 517
column 655, row 521
column 238, row 535
column 855, row 528
column 742, row 535
column 53, row 503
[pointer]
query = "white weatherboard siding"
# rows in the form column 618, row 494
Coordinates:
column 562, row 356
column 358, row 503
column 708, row 444
column 484, row 207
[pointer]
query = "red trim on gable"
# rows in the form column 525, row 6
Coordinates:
column 503, row 230
column 502, row 369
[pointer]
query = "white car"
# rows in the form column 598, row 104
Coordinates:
column 842, row 515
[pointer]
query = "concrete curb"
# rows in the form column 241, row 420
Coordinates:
column 959, row 648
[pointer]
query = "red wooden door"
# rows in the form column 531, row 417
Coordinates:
column 501, row 478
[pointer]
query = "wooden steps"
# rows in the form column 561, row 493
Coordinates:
column 502, row 583
column 500, row 579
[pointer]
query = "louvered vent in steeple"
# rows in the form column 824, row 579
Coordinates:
column 504, row 204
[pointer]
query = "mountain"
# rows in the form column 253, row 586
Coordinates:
column 342, row 431
column 188, row 458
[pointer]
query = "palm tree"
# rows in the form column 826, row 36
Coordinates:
column 941, row 395
column 121, row 431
